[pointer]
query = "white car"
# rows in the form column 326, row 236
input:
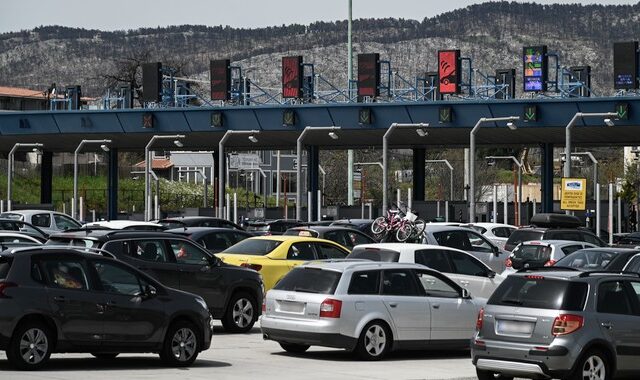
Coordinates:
column 538, row 253
column 498, row 233
column 49, row 222
column 126, row 225
column 368, row 308
column 460, row 266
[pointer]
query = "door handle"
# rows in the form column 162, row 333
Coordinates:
column 607, row 325
column 59, row 299
column 393, row 304
column 464, row 282
column 436, row 306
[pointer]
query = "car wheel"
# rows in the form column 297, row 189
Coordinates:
column 374, row 342
column 181, row 345
column 240, row 314
column 482, row 374
column 294, row 348
column 594, row 365
column 30, row 346
column 105, row 355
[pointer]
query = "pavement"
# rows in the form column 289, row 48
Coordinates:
column 247, row 356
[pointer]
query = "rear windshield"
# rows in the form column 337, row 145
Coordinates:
column 310, row 280
column 305, row 233
column 375, row 254
column 169, row 225
column 5, row 265
column 76, row 242
column 258, row 227
column 519, row 236
column 532, row 252
column 588, row 259
column 540, row 293
column 257, row 247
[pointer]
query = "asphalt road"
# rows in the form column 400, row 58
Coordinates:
column 249, row 357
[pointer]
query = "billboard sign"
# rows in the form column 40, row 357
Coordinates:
column 536, row 68
column 449, row 71
column 573, row 194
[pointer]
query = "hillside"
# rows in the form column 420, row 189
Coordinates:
column 492, row 34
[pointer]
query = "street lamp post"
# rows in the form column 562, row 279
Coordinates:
column 332, row 132
column 221, row 192
column 446, row 162
column 472, row 158
column 385, row 164
column 104, row 147
column 147, row 162
column 595, row 169
column 520, row 165
column 17, row 146
column 204, row 177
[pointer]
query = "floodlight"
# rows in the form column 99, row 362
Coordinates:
column 512, row 126
column 609, row 122
column 178, row 143
column 333, row 135
column 104, row 147
column 253, row 139
column 422, row 132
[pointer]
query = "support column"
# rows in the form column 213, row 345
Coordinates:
column 112, row 185
column 313, row 175
column 46, row 178
column 214, row 184
column 547, row 177
column 419, row 156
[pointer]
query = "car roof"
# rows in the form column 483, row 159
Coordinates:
column 437, row 228
column 108, row 233
column 343, row 265
column 611, row 249
column 552, row 242
column 291, row 238
column 35, row 249
column 491, row 225
column 119, row 224
column 323, row 228
column 405, row 246
column 192, row 230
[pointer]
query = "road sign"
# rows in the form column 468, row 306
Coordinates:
column 573, row 194
column 244, row 161
column 530, row 112
column 445, row 114
column 622, row 111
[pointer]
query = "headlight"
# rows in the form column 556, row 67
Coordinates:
column 202, row 303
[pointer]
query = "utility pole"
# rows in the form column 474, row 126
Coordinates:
column 350, row 157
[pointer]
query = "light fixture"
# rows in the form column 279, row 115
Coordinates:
column 253, row 139
column 422, row 132
column 512, row 126
column 609, row 122
column 491, row 162
column 333, row 135
column 104, row 147
column 178, row 143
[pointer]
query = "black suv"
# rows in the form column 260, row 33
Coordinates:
column 234, row 294
column 59, row 299
column 553, row 227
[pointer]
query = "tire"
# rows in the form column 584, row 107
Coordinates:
column 294, row 348
column 404, row 232
column 379, row 225
column 181, row 344
column 482, row 374
column 374, row 342
column 105, row 355
column 30, row 346
column 240, row 315
column 593, row 362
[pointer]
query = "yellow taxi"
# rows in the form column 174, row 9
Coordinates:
column 275, row 256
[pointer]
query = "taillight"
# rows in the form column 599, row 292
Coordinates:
column 255, row 267
column 4, row 286
column 330, row 308
column 264, row 305
column 566, row 324
column 550, row 263
column 480, row 320
column 508, row 262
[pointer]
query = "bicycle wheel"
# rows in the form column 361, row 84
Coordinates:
column 379, row 225
column 403, row 232
column 419, row 226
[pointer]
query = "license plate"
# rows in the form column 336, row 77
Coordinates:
column 291, row 307
column 515, row 327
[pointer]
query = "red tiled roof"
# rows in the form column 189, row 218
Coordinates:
column 22, row 92
column 157, row 163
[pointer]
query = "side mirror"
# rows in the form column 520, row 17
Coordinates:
column 491, row 274
column 150, row 291
column 465, row 293
column 496, row 251
column 214, row 261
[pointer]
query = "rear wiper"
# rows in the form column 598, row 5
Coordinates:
column 512, row 301
column 302, row 290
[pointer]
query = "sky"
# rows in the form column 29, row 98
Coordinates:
column 16, row 15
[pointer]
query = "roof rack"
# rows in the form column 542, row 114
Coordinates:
column 97, row 251
column 547, row 269
column 622, row 273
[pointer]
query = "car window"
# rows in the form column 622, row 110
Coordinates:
column 570, row 249
column 436, row 287
column 366, row 282
column 338, row 237
column 635, row 286
column 149, row 250
column 587, row 259
column 434, row 259
column 356, row 238
column 464, row 264
column 310, row 280
column 633, row 265
column 540, row 292
column 478, row 243
column 257, row 247
column 374, row 254
column 64, row 222
column 218, row 241
column 118, row 248
column 117, row 279
column 565, row 235
column 301, row 251
column 66, row 274
column 399, row 282
column 41, row 220
column 328, row 251
column 519, row 236
column 238, row 237
column 613, row 298
column 589, row 238
column 454, row 239
column 15, row 239
column 187, row 253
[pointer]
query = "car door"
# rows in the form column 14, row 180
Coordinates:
column 75, row 304
column 326, row 251
column 406, row 304
column 452, row 317
column 472, row 274
column 633, row 265
column 619, row 320
column 63, row 222
column 132, row 317
column 197, row 274
column 150, row 256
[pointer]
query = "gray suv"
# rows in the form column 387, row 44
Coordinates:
column 559, row 323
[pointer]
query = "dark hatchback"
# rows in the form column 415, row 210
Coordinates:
column 273, row 227
column 547, row 226
column 57, row 299
column 215, row 240
column 198, row 221
column 233, row 294
column 347, row 237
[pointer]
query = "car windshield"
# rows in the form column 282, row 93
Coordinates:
column 258, row 227
column 375, row 254
column 310, row 280
column 588, row 259
column 8, row 215
column 540, row 293
column 519, row 236
column 256, row 247
column 169, row 224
